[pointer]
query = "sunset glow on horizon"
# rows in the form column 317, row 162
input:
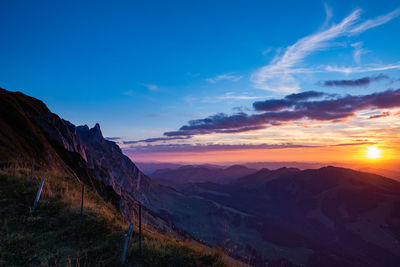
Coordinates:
column 361, row 154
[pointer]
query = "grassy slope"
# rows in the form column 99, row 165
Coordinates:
column 19, row 137
column 55, row 234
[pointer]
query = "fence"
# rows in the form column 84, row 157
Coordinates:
column 28, row 169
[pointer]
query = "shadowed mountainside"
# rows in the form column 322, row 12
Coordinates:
column 332, row 216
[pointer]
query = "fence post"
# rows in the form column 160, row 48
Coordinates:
column 32, row 172
column 140, row 228
column 38, row 194
column 128, row 237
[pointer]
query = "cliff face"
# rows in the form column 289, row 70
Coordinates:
column 103, row 157
column 111, row 166
column 31, row 130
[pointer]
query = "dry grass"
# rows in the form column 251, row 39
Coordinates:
column 56, row 235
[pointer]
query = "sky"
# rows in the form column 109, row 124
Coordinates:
column 214, row 81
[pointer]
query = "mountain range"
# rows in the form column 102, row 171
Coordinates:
column 328, row 216
column 390, row 169
column 325, row 217
column 201, row 173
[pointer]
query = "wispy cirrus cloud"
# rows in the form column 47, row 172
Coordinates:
column 349, row 70
column 157, row 139
column 228, row 76
column 359, row 50
column 328, row 17
column 355, row 82
column 267, row 51
column 279, row 75
column 372, row 23
column 151, row 87
column 230, row 96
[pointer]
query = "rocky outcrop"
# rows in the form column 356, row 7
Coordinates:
column 103, row 157
column 112, row 166
column 31, row 130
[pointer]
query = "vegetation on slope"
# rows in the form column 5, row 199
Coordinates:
column 56, row 235
column 19, row 137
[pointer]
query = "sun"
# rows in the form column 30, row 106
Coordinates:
column 373, row 152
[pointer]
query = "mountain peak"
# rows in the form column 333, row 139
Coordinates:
column 91, row 135
column 237, row 167
column 82, row 128
column 96, row 132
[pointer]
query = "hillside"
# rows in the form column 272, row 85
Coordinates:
column 56, row 235
column 324, row 217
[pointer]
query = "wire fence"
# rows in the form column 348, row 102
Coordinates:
column 143, row 219
column 31, row 169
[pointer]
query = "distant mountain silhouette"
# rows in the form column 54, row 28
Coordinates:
column 200, row 173
column 150, row 167
column 273, row 165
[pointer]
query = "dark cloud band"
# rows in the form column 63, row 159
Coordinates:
column 291, row 108
column 357, row 82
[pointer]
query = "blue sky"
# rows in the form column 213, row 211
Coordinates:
column 142, row 68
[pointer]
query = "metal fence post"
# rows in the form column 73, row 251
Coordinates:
column 38, row 194
column 128, row 237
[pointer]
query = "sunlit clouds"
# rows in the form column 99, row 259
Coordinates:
column 299, row 141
